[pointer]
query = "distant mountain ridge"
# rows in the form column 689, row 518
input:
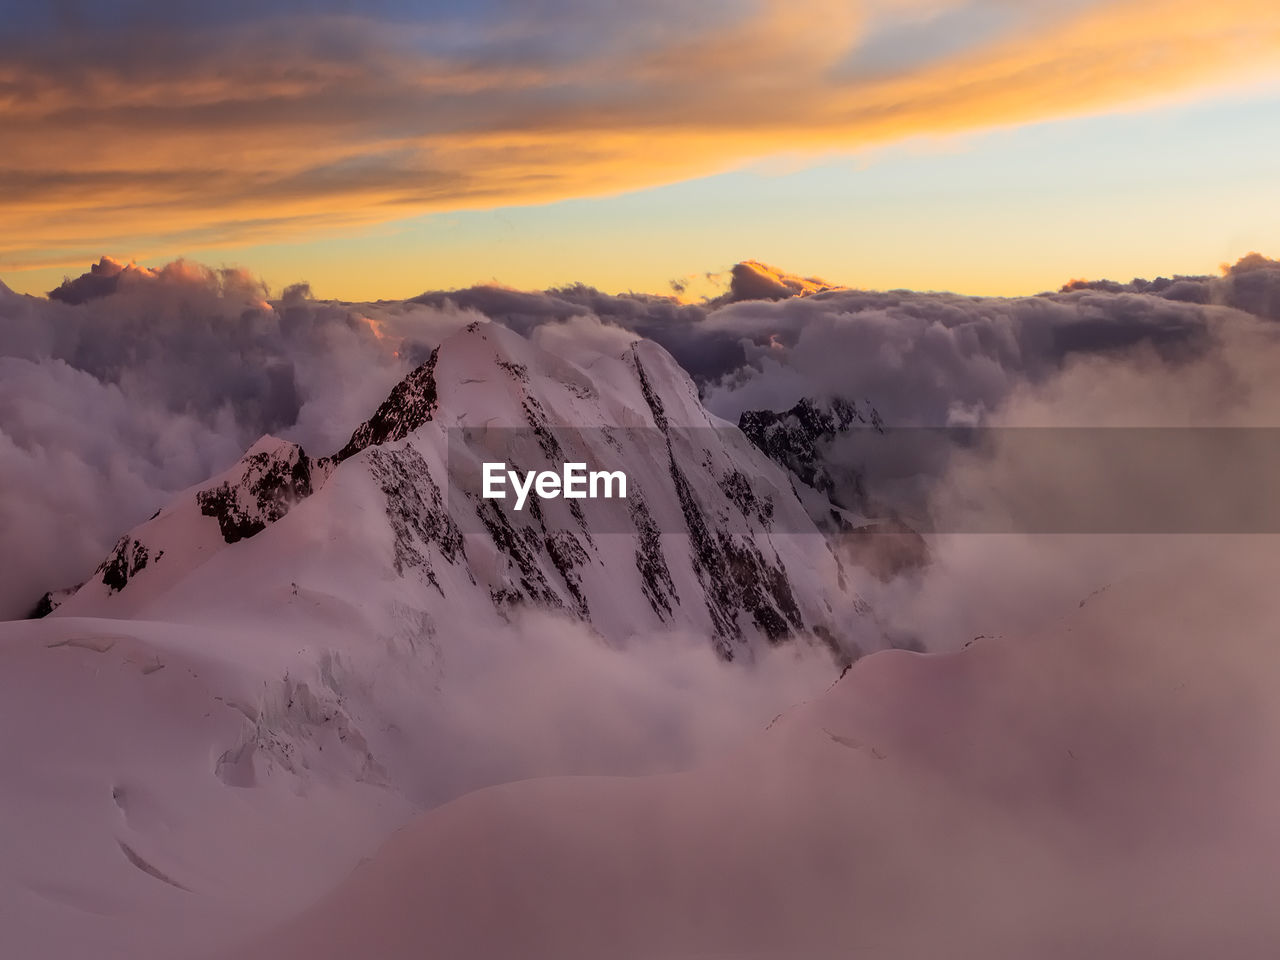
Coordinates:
column 865, row 532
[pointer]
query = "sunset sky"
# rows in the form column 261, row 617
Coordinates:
column 389, row 147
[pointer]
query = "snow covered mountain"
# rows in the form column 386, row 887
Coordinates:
column 714, row 539
column 305, row 641
column 221, row 729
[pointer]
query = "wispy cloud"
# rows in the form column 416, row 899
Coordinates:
column 153, row 134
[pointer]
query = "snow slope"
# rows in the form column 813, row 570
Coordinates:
column 125, row 829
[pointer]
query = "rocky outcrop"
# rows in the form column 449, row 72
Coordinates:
column 273, row 479
column 735, row 574
column 416, row 511
column 795, row 439
column 411, row 404
column 129, row 558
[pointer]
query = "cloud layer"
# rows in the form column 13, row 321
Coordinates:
column 132, row 384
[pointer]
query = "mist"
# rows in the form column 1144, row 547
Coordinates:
column 1095, row 788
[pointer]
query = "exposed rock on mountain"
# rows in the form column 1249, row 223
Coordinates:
column 865, row 532
column 275, row 476
column 410, row 405
column 795, row 438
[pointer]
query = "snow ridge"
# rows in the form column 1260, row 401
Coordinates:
column 411, row 404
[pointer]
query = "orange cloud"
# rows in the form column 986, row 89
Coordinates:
column 237, row 135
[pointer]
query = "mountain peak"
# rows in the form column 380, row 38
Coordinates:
column 694, row 543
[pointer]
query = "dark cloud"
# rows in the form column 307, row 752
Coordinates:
column 1252, row 284
column 102, row 279
column 752, row 280
column 928, row 359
